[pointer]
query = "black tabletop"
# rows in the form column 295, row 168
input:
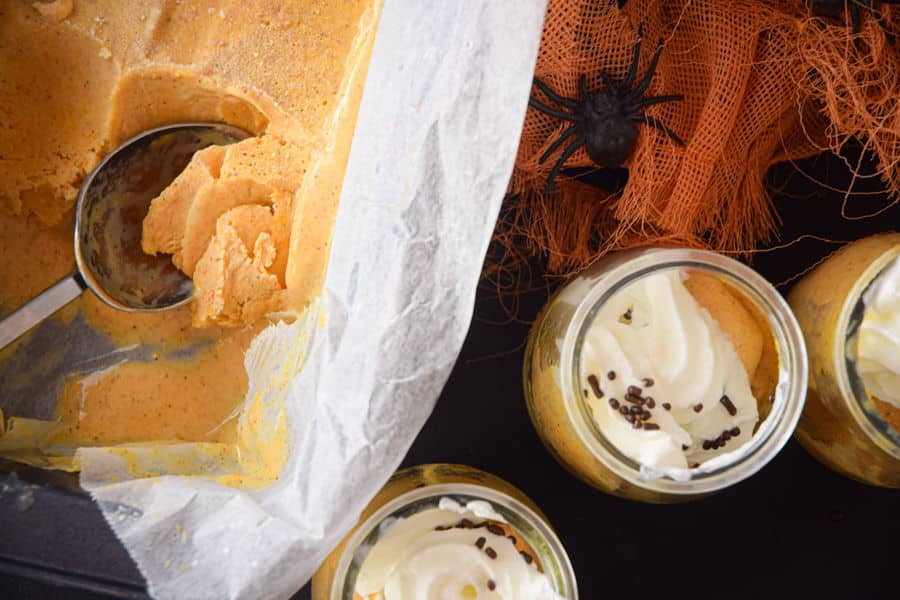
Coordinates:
column 793, row 528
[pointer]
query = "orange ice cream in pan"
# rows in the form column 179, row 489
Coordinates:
column 250, row 223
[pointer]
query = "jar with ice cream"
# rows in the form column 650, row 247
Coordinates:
column 665, row 374
column 450, row 532
column 849, row 310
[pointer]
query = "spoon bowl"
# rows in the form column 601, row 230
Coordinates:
column 109, row 213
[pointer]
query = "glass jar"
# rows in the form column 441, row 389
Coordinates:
column 840, row 425
column 554, row 384
column 416, row 489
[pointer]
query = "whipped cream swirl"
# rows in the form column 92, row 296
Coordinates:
column 878, row 339
column 450, row 553
column 663, row 382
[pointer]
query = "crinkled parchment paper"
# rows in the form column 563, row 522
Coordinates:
column 359, row 374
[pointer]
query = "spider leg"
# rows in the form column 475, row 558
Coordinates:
column 658, row 125
column 566, row 135
column 567, row 102
column 635, row 59
column 582, row 85
column 651, row 69
column 569, row 151
column 550, row 111
column 607, row 80
column 651, row 101
column 855, row 16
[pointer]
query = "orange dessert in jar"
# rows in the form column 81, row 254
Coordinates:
column 447, row 531
column 849, row 309
column 665, row 374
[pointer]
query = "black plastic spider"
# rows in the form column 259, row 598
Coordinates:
column 605, row 121
column 834, row 9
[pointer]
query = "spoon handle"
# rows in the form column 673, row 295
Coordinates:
column 40, row 307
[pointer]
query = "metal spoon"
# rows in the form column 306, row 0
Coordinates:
column 109, row 215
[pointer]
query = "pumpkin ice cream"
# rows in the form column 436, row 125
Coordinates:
column 228, row 230
column 250, row 223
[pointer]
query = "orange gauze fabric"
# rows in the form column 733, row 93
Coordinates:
column 855, row 78
column 748, row 71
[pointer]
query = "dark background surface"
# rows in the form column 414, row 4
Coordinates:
column 795, row 528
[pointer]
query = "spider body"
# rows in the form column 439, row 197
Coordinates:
column 604, row 122
column 611, row 137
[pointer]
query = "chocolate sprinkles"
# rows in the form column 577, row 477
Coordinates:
column 729, row 405
column 638, row 415
column 722, row 439
column 635, row 399
column 492, row 554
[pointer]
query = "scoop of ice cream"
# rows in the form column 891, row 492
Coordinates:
column 227, row 225
column 664, row 381
column 878, row 341
column 449, row 554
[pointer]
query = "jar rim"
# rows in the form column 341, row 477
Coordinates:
column 790, row 392
column 564, row 582
column 852, row 391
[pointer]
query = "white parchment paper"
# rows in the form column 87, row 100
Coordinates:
column 432, row 154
